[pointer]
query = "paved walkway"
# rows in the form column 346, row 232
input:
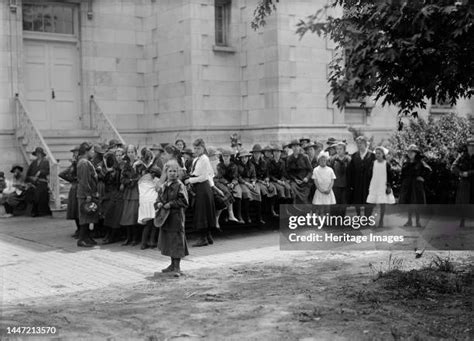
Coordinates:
column 39, row 259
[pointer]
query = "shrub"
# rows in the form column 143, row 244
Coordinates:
column 439, row 139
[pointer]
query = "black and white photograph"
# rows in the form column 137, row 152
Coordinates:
column 236, row 170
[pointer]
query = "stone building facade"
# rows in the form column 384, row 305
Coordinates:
column 163, row 69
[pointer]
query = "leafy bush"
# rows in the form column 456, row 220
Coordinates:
column 439, row 140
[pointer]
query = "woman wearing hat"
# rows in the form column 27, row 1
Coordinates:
column 277, row 175
column 412, row 190
column 248, row 181
column 463, row 168
column 37, row 175
column 98, row 151
column 266, row 188
column 86, row 194
column 70, row 175
column 201, row 179
column 299, row 171
column 14, row 192
column 228, row 176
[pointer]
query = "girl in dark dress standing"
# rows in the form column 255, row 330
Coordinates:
column 463, row 167
column 173, row 199
column 129, row 179
column 201, row 177
column 412, row 191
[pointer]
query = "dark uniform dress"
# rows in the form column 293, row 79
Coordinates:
column 297, row 169
column 247, row 174
column 277, row 171
column 261, row 172
column 340, row 167
column 129, row 180
column 359, row 174
column 38, row 195
column 412, row 190
column 228, row 176
column 86, row 186
column 70, row 175
column 172, row 238
column 112, row 203
column 221, row 183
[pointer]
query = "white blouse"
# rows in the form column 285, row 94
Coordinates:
column 202, row 171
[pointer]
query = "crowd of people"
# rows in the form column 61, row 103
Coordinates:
column 140, row 196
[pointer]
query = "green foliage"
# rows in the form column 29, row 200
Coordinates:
column 439, row 139
column 401, row 52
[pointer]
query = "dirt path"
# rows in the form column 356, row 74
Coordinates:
column 326, row 296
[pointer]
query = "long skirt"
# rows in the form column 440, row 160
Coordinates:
column 301, row 192
column 112, row 207
column 267, row 191
column 130, row 212
column 251, row 193
column 204, row 208
column 72, row 205
column 283, row 191
column 86, row 219
column 39, row 197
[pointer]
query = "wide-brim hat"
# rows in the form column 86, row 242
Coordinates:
column 227, row 152
column 256, row 148
column 157, row 147
column 244, row 152
column 75, row 149
column 39, row 150
column 84, row 147
column 16, row 167
column 267, row 148
column 305, row 138
column 187, row 151
column 276, row 146
column 413, row 148
column 212, row 151
column 323, row 154
column 115, row 143
column 331, row 141
column 294, row 143
column 161, row 215
column 383, row 149
column 362, row 138
column 99, row 149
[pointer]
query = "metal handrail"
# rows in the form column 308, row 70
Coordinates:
column 102, row 123
column 26, row 129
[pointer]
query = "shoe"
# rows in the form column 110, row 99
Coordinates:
column 153, row 246
column 201, row 242
column 6, row 215
column 261, row 222
column 107, row 241
column 418, row 224
column 209, row 239
column 83, row 243
column 135, row 243
column 408, row 224
column 91, row 241
column 127, row 242
column 170, row 268
column 144, row 247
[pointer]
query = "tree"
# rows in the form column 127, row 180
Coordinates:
column 401, row 51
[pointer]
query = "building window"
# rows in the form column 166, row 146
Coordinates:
column 222, row 20
column 48, row 18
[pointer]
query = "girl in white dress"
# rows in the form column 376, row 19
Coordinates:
column 323, row 177
column 380, row 189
